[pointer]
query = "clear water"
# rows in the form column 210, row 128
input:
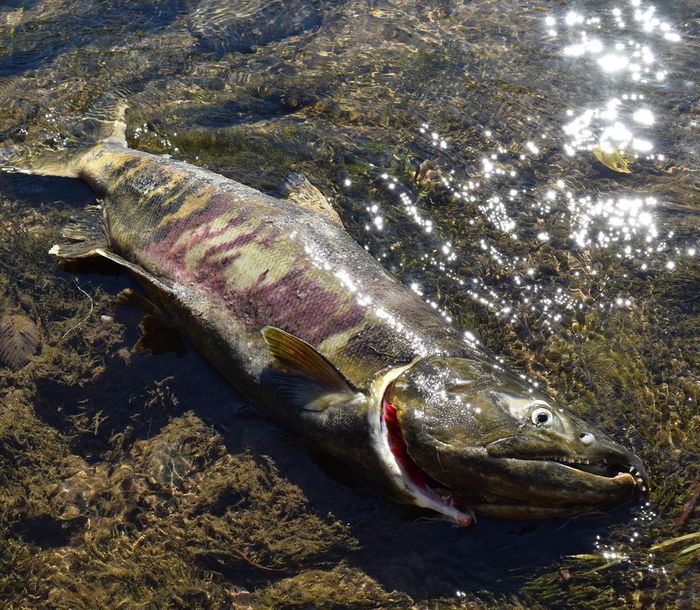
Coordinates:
column 529, row 168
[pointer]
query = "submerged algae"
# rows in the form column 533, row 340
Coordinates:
column 160, row 526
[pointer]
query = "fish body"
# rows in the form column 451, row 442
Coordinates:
column 245, row 260
column 309, row 327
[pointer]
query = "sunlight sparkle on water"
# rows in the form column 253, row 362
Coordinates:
column 619, row 126
column 632, row 57
column 606, row 127
column 644, row 116
column 598, row 223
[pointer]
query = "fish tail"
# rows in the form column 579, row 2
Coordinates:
column 103, row 123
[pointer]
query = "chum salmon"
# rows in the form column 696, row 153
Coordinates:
column 314, row 332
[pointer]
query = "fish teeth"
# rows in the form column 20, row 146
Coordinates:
column 573, row 460
column 640, row 480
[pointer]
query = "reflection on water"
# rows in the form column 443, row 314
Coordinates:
column 617, row 132
column 530, row 169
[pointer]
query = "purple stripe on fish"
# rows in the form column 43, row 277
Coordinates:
column 295, row 302
column 298, row 304
column 167, row 250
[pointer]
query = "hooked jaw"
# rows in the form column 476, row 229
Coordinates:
column 611, row 457
column 593, row 473
column 513, row 477
column 614, row 469
column 451, row 435
column 599, row 474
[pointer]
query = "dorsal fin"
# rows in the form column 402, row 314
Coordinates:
column 299, row 190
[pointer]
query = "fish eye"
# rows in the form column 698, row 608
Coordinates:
column 541, row 416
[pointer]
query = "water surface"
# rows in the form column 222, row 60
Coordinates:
column 529, row 168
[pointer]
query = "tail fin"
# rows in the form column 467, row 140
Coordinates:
column 104, row 123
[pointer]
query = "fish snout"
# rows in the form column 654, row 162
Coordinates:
column 611, row 456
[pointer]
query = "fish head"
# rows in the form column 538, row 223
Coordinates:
column 465, row 432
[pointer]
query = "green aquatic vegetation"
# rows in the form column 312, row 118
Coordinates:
column 153, row 521
column 73, row 333
column 158, row 526
column 341, row 587
column 682, row 551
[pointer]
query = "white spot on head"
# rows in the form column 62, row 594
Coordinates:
column 587, row 438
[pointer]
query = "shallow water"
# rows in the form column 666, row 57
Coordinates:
column 475, row 149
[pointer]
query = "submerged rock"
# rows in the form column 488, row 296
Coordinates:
column 19, row 340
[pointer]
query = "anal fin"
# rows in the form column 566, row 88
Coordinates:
column 159, row 337
column 162, row 285
column 157, row 334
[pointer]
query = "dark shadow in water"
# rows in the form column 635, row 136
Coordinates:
column 34, row 190
column 246, row 111
column 39, row 42
column 46, row 532
column 218, row 27
column 223, row 27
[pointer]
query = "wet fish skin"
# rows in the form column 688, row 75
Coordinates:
column 262, row 261
column 308, row 326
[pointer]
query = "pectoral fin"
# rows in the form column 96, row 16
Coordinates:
column 305, row 377
column 85, row 237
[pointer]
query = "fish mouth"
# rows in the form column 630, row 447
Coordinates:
column 605, row 463
column 615, row 470
column 425, row 491
column 526, row 483
column 558, row 487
